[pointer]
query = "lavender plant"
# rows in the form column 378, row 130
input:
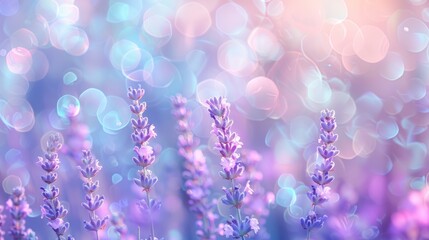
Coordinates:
column 319, row 192
column 232, row 168
column 197, row 178
column 2, row 222
column 118, row 223
column 93, row 201
column 52, row 208
column 19, row 210
column 143, row 132
column 256, row 202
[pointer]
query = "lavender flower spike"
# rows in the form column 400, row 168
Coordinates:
column 92, row 202
column 19, row 210
column 232, row 168
column 52, row 209
column 143, row 132
column 117, row 221
column 2, row 222
column 197, row 178
column 319, row 191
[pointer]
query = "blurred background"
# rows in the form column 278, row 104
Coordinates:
column 65, row 66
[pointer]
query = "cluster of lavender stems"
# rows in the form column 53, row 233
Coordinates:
column 52, row 209
column 197, row 178
column 143, row 132
column 2, row 222
column 19, row 210
column 319, row 192
column 232, row 168
column 93, row 201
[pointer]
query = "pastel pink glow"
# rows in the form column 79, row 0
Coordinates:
column 262, row 93
column 371, row 44
column 342, row 35
column 19, row 60
column 316, row 46
column 236, row 58
column 193, row 19
column 264, row 43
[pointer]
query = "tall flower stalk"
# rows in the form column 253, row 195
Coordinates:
column 257, row 200
column 232, row 168
column 93, row 201
column 143, row 132
column 2, row 222
column 19, row 210
column 319, row 192
column 197, row 178
column 52, row 209
column 118, row 222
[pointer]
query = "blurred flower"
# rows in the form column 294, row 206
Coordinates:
column 197, row 178
column 232, row 168
column 240, row 229
column 76, row 138
column 412, row 217
column 319, row 193
column 90, row 169
column 257, row 200
column 2, row 222
column 19, row 210
column 118, row 223
column 52, row 207
column 143, row 132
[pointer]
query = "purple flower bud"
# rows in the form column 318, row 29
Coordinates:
column 137, row 108
column 135, row 93
column 50, row 177
column 233, row 197
column 95, row 224
column 239, row 229
column 328, row 151
column 93, row 202
column 313, row 221
column 152, row 205
column 235, row 172
column 146, row 180
column 139, row 123
column 90, row 187
column 50, row 193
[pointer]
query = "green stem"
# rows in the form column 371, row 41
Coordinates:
column 308, row 234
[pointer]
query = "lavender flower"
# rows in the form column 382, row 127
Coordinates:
column 2, row 222
column 257, row 199
column 92, row 202
column 143, row 132
column 52, row 208
column 232, row 168
column 197, row 178
column 117, row 221
column 319, row 192
column 19, row 210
